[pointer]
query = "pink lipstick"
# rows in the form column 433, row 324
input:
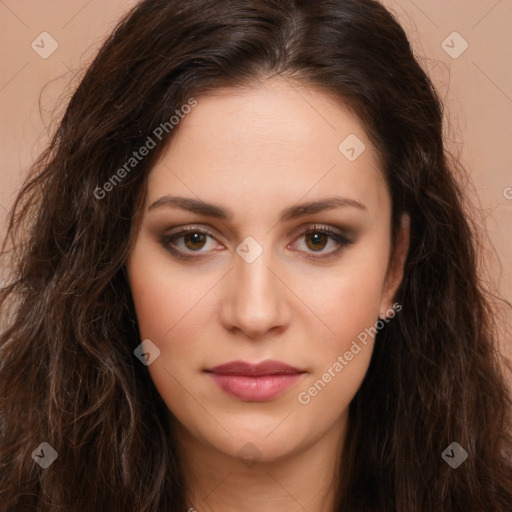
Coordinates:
column 255, row 382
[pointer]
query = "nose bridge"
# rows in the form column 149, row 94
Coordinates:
column 254, row 302
column 254, row 278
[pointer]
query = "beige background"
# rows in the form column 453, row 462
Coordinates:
column 476, row 86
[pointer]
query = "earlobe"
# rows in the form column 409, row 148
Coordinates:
column 396, row 266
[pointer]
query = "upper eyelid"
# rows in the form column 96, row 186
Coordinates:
column 300, row 231
column 308, row 228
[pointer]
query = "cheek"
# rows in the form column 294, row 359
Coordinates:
column 164, row 297
column 167, row 307
column 348, row 300
column 350, row 309
column 173, row 310
column 349, row 304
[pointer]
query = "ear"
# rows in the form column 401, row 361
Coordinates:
column 396, row 266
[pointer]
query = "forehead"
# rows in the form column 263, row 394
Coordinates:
column 271, row 143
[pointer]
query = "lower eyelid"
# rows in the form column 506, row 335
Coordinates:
column 338, row 238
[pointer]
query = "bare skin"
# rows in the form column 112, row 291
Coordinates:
column 302, row 301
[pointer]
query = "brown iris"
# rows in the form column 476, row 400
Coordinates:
column 319, row 240
column 194, row 241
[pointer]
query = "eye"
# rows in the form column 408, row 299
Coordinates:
column 317, row 238
column 188, row 242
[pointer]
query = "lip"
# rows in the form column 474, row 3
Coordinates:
column 255, row 382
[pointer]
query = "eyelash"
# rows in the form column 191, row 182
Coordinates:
column 167, row 241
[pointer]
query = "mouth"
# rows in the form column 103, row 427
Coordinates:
column 255, row 382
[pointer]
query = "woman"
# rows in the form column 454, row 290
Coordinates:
column 244, row 279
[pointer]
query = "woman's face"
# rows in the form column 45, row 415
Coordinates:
column 286, row 260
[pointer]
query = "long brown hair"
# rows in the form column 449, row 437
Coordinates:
column 69, row 376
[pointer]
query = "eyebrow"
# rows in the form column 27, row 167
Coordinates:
column 292, row 212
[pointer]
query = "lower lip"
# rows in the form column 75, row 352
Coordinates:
column 255, row 389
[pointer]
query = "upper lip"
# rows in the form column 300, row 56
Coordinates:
column 267, row 367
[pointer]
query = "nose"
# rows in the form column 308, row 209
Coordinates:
column 254, row 299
